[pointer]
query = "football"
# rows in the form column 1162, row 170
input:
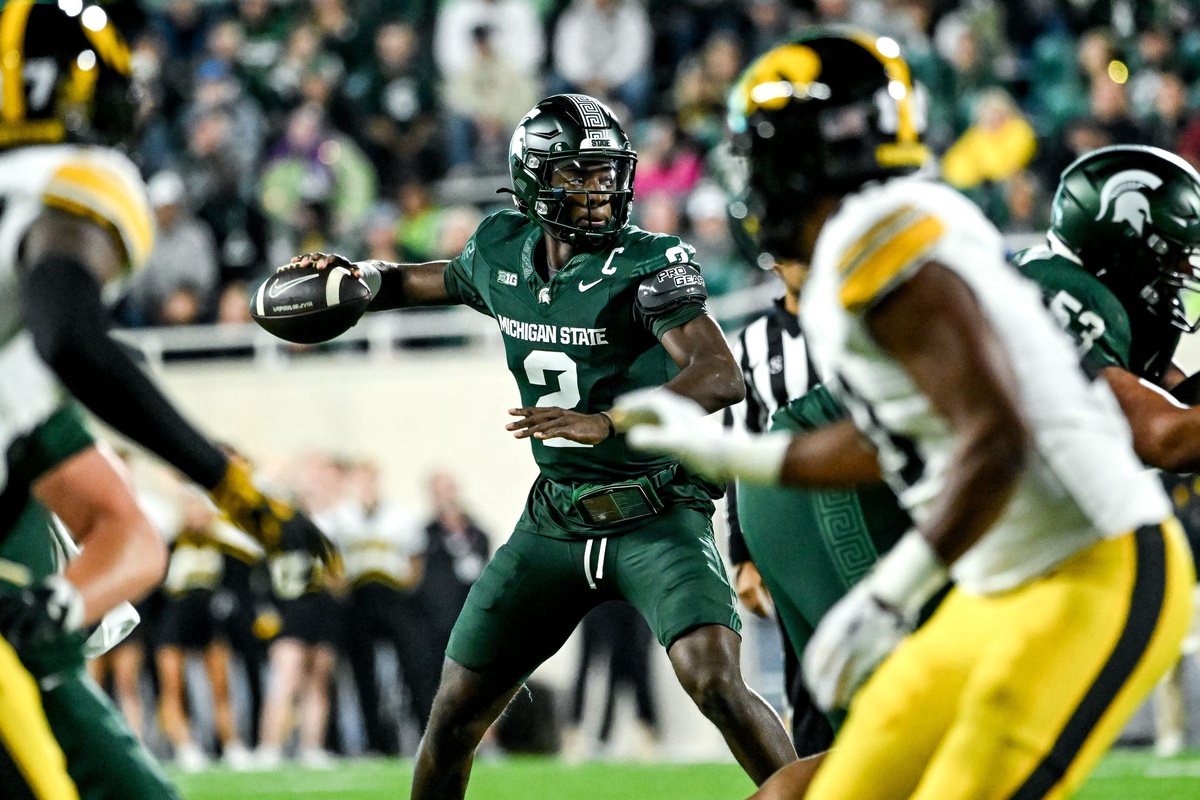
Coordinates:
column 307, row 305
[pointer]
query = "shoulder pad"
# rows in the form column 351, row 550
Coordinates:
column 105, row 187
column 669, row 287
column 652, row 251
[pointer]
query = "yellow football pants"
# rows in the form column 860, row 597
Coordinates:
column 32, row 766
column 1018, row 694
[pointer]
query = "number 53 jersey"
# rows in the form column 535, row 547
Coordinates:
column 1084, row 482
column 587, row 335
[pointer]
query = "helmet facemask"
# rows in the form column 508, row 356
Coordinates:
column 585, row 199
column 1175, row 291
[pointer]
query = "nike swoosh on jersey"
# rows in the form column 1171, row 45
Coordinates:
column 280, row 288
column 583, row 287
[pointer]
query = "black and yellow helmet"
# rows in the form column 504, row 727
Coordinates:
column 823, row 114
column 65, row 74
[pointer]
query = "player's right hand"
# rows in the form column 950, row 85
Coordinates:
column 321, row 261
column 854, row 638
column 277, row 525
column 752, row 591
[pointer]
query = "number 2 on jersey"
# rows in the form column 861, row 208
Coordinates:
column 537, row 364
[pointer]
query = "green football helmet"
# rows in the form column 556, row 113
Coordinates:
column 572, row 170
column 820, row 115
column 1131, row 214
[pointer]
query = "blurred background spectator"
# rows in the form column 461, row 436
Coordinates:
column 179, row 282
column 383, row 549
column 458, row 550
column 602, row 48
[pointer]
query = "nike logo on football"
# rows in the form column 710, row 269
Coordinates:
column 583, row 287
column 282, row 286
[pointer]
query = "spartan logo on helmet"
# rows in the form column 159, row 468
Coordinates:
column 1122, row 192
column 1130, row 215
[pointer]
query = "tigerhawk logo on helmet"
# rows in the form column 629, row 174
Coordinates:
column 829, row 111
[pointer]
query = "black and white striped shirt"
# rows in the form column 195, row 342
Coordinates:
column 777, row 367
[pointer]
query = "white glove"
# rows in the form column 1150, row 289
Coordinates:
column 114, row 627
column 866, row 625
column 660, row 421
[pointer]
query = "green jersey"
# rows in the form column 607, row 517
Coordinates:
column 582, row 338
column 1106, row 334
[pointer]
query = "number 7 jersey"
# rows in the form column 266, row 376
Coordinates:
column 1083, row 482
column 584, row 337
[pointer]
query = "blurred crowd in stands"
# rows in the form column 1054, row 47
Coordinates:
column 380, row 128
column 266, row 638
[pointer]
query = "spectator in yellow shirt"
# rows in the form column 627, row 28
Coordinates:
column 999, row 143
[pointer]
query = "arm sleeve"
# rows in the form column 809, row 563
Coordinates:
column 61, row 303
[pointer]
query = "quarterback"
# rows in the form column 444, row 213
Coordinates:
column 74, row 222
column 589, row 307
column 1072, row 579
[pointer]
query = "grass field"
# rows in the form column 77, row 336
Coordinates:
column 1124, row 775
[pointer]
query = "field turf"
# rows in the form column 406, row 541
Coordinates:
column 1124, row 775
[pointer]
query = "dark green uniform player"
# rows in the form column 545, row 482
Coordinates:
column 811, row 546
column 589, row 308
column 1117, row 258
column 577, row 341
column 104, row 759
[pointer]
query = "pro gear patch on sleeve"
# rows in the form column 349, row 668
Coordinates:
column 670, row 287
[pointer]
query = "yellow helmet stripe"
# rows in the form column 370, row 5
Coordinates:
column 111, row 46
column 13, row 20
column 897, row 70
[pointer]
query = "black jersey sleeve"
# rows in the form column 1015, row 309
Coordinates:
column 62, row 309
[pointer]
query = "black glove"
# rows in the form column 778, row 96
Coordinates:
column 33, row 616
column 298, row 533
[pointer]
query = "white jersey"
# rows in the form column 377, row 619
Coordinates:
column 99, row 184
column 1083, row 483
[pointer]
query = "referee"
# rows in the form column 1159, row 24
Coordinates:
column 775, row 362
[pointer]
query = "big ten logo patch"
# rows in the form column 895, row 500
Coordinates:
column 507, row 278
